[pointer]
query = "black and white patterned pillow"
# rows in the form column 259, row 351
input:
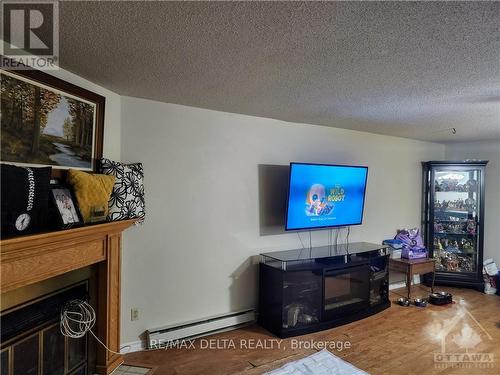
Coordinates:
column 127, row 198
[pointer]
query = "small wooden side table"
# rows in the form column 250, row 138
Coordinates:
column 414, row 267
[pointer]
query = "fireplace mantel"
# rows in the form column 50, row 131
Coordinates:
column 29, row 259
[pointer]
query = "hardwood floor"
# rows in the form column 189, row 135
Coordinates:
column 399, row 340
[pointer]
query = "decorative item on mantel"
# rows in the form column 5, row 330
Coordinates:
column 24, row 199
column 92, row 192
column 127, row 199
column 65, row 207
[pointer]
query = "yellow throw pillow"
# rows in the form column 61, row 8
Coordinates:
column 92, row 192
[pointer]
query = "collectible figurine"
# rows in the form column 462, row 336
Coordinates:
column 438, row 228
column 470, row 204
column 465, row 264
column 472, row 185
column 471, row 227
column 467, row 246
column 452, row 247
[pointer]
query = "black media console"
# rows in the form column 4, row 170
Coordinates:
column 308, row 290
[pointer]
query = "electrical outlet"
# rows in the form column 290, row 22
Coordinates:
column 134, row 314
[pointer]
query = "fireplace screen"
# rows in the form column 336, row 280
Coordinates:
column 345, row 290
column 32, row 343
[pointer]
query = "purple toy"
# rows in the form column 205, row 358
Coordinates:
column 413, row 246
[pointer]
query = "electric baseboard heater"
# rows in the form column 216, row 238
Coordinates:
column 164, row 336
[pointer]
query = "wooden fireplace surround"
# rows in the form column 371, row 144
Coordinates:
column 29, row 259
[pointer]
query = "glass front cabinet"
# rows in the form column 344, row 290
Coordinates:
column 453, row 220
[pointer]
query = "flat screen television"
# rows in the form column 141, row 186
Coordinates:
column 324, row 196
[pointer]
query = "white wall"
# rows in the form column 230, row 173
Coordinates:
column 112, row 115
column 486, row 150
column 192, row 257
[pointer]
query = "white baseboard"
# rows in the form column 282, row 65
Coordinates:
column 134, row 346
column 158, row 337
column 402, row 284
column 398, row 285
column 193, row 329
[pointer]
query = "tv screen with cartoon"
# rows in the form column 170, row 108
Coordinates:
column 321, row 196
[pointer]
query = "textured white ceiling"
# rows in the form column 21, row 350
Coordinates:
column 400, row 68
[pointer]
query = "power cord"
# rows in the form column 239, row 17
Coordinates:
column 347, row 238
column 330, row 240
column 78, row 318
column 300, row 239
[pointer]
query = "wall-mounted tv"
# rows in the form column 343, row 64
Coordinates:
column 323, row 196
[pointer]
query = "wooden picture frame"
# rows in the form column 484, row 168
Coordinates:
column 65, row 207
column 32, row 97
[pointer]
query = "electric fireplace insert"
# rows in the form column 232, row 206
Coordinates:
column 307, row 290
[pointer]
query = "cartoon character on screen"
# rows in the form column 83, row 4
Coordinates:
column 316, row 204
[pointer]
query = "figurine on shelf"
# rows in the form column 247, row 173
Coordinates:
column 458, row 204
column 472, row 185
column 452, row 247
column 438, row 246
column 451, row 262
column 438, row 252
column 471, row 227
column 441, row 205
column 457, row 228
column 465, row 264
column 450, row 184
column 439, row 264
column 444, row 243
column 438, row 227
column 467, row 246
column 470, row 204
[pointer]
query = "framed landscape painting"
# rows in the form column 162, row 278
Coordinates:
column 45, row 121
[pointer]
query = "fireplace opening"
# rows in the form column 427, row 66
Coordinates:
column 32, row 343
column 346, row 290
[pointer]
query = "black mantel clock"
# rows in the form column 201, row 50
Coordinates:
column 453, row 220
